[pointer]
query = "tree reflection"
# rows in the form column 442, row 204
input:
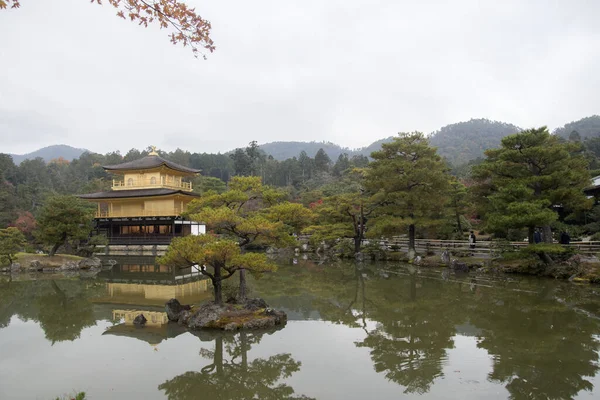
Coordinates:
column 232, row 376
column 414, row 323
column 412, row 335
column 63, row 316
column 542, row 349
column 63, row 308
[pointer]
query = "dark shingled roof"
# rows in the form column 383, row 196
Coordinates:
column 122, row 194
column 150, row 162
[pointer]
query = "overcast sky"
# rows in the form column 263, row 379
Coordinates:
column 349, row 72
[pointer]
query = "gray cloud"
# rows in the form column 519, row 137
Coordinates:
column 349, row 72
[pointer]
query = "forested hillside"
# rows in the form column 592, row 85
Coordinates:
column 50, row 153
column 458, row 143
column 464, row 141
column 585, row 128
column 284, row 150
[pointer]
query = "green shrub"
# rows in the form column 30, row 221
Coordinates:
column 74, row 396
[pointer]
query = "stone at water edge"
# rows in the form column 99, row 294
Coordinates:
column 459, row 266
column 92, row 262
column 205, row 315
column 173, row 308
column 140, row 320
column 184, row 317
column 36, row 265
column 69, row 266
column 15, row 267
column 445, row 257
column 255, row 304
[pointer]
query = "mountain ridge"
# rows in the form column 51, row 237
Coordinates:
column 50, row 153
column 459, row 143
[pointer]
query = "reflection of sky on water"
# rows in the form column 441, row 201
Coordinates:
column 116, row 367
column 422, row 331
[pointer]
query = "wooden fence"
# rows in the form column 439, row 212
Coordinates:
column 484, row 249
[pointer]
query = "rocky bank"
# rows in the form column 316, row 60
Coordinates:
column 252, row 314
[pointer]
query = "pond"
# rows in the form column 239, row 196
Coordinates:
column 355, row 331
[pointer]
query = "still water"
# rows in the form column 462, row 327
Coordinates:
column 355, row 331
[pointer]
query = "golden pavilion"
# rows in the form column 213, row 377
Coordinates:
column 145, row 203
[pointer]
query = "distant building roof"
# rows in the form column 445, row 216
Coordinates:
column 123, row 194
column 150, row 161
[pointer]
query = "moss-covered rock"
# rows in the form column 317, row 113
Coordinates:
column 253, row 314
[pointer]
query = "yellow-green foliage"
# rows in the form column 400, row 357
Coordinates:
column 248, row 213
column 212, row 251
column 11, row 242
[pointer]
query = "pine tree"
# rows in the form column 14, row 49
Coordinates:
column 322, row 161
column 11, row 242
column 528, row 178
column 410, row 182
column 243, row 214
column 64, row 218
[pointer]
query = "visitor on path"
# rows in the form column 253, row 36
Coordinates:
column 537, row 236
column 472, row 240
column 565, row 238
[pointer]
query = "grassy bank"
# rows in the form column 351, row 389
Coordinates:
column 55, row 261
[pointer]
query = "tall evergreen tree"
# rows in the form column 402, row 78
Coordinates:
column 528, row 178
column 322, row 161
column 62, row 219
column 411, row 182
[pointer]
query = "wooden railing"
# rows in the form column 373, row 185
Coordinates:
column 481, row 249
column 139, row 213
column 151, row 184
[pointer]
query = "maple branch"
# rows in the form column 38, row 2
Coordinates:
column 190, row 28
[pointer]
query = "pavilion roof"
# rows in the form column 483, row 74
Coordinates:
column 149, row 162
column 123, row 194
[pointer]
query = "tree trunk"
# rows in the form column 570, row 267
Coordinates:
column 219, row 354
column 57, row 245
column 547, row 232
column 54, row 249
column 244, row 350
column 217, row 285
column 242, row 291
column 460, row 230
column 411, row 242
column 357, row 242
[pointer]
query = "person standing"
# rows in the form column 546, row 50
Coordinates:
column 565, row 238
column 472, row 240
column 537, row 236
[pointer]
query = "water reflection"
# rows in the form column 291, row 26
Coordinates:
column 153, row 335
column 412, row 334
column 231, row 375
column 541, row 347
column 538, row 338
column 62, row 307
